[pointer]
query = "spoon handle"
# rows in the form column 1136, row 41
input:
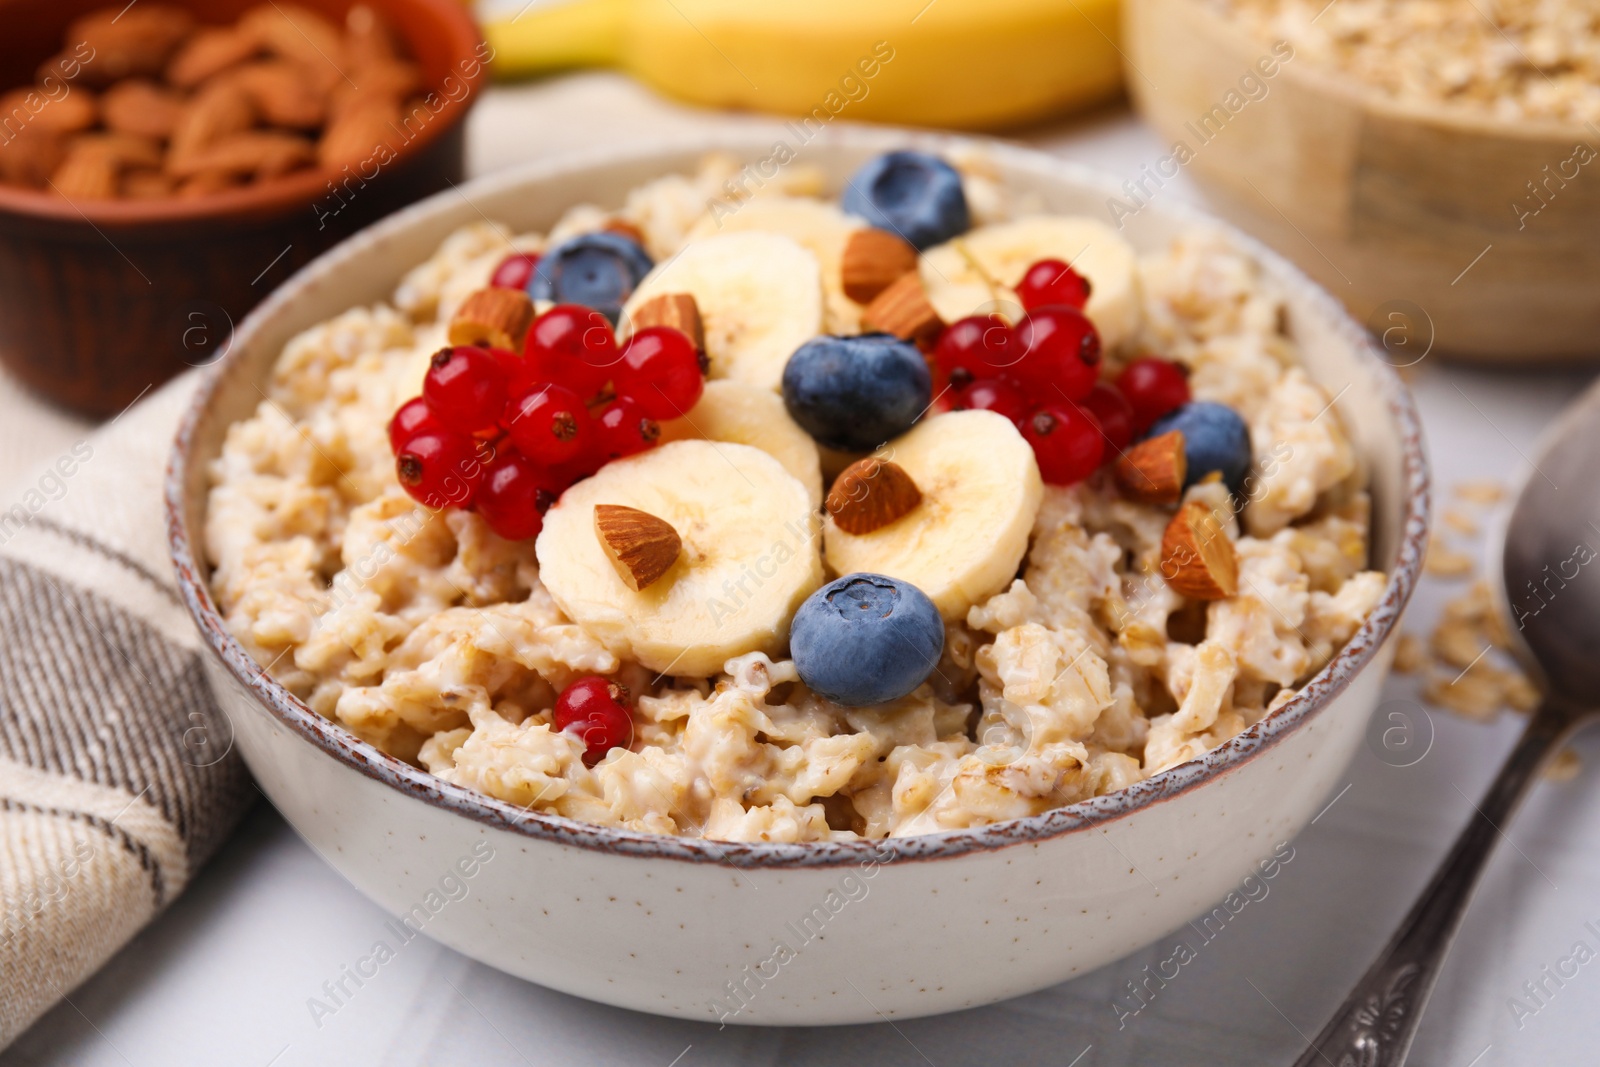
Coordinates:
column 1377, row 1021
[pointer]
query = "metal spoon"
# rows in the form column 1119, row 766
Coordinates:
column 1552, row 602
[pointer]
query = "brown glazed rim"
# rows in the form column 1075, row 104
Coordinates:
column 452, row 23
column 418, row 784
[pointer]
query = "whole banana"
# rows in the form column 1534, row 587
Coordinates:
column 963, row 64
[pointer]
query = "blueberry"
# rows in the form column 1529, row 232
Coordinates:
column 1215, row 438
column 913, row 194
column 596, row 270
column 866, row 639
column 855, row 393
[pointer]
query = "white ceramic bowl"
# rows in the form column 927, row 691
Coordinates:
column 794, row 934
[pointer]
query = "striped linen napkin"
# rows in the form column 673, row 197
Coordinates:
column 117, row 775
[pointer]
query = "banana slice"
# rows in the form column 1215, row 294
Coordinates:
column 745, row 415
column 980, row 492
column 760, row 298
column 815, row 225
column 749, row 556
column 981, row 267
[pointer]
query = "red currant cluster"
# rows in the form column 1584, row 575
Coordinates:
column 504, row 434
column 1044, row 375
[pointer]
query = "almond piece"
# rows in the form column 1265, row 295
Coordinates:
column 209, row 52
column 253, row 153
column 124, row 150
column 282, row 94
column 86, row 175
column 31, row 157
column 300, row 34
column 1197, row 557
column 626, row 229
column 873, row 260
column 498, row 318
column 870, row 494
column 28, row 107
column 359, row 134
column 128, row 41
column 142, row 108
column 677, row 310
column 1152, row 471
column 903, row 310
column 641, row 546
column 219, row 109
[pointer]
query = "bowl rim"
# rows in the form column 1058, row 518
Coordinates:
column 452, row 22
column 419, row 784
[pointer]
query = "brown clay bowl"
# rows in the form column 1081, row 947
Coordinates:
column 100, row 300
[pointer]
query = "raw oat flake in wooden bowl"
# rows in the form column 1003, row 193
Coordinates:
column 1429, row 161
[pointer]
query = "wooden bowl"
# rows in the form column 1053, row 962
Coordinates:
column 1421, row 220
column 100, row 300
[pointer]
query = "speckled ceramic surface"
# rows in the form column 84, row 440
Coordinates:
column 795, row 934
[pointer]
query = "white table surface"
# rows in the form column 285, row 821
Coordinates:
column 225, row 975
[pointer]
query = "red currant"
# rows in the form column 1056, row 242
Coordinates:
column 414, row 417
column 660, row 371
column 574, row 346
column 994, row 394
column 514, row 496
column 1051, row 281
column 1114, row 413
column 550, row 425
column 441, row 469
column 465, row 388
column 1066, row 441
column 514, row 271
column 625, row 428
column 595, row 709
column 518, row 372
column 1152, row 387
column 979, row 346
column 1061, row 351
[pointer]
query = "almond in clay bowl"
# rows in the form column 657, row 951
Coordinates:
column 162, row 170
column 743, row 919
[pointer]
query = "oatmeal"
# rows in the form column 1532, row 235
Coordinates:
column 838, row 589
column 1513, row 59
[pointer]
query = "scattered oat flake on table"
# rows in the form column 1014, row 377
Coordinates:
column 1446, row 562
column 1460, row 522
column 1483, row 492
column 1410, row 655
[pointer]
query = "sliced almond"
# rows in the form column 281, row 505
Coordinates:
column 873, row 260
column 870, row 494
column 1152, row 471
column 677, row 310
column 1197, row 557
column 903, row 310
column 301, row 34
column 640, row 546
column 498, row 318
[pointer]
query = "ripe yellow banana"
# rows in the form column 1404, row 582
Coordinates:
column 964, row 64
